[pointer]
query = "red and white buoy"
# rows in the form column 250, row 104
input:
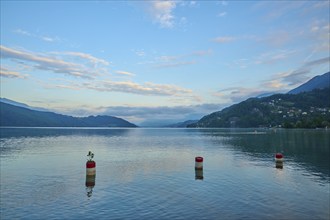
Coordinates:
column 90, row 165
column 90, row 174
column 279, row 157
column 198, row 163
column 90, row 168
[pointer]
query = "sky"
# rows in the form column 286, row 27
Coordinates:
column 158, row 61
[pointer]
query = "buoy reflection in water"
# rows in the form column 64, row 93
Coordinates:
column 199, row 174
column 90, row 183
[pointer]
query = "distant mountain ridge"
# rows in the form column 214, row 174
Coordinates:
column 181, row 124
column 317, row 82
column 303, row 110
column 19, row 104
column 307, row 106
column 11, row 115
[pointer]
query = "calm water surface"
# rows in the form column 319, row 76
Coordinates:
column 149, row 174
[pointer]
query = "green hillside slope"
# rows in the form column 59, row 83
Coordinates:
column 11, row 115
column 303, row 110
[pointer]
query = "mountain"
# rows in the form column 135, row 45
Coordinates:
column 303, row 110
column 11, row 115
column 11, row 102
column 307, row 106
column 318, row 82
column 181, row 124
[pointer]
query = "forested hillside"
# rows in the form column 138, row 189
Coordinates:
column 303, row 110
column 11, row 115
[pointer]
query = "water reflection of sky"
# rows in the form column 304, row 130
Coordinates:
column 309, row 149
column 151, row 172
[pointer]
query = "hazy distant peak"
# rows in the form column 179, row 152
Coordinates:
column 317, row 82
column 19, row 104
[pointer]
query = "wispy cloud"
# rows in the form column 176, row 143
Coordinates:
column 290, row 78
column 174, row 64
column 277, row 83
column 145, row 89
column 4, row 72
column 222, row 14
column 162, row 12
column 172, row 61
column 224, row 39
column 140, row 53
column 237, row 94
column 40, row 37
column 267, row 58
column 320, row 33
column 48, row 39
column 273, row 56
column 88, row 57
column 142, row 89
column 22, row 32
column 124, row 73
column 293, row 78
column 53, row 64
column 169, row 61
column 324, row 60
column 277, row 9
column 224, row 3
column 202, row 52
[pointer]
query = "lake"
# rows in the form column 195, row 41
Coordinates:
column 150, row 174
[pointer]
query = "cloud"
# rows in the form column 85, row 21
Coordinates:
column 225, row 39
column 168, row 58
column 201, row 53
column 238, row 94
column 162, row 12
column 171, row 61
column 146, row 115
column 142, row 89
column 174, row 64
column 4, row 72
column 224, row 3
column 279, row 38
column 48, row 39
column 44, row 38
column 274, row 56
column 275, row 10
column 321, row 4
column 287, row 79
column 277, row 83
column 124, row 73
column 139, row 53
column 82, row 70
column 222, row 14
column 293, row 78
column 22, row 32
column 320, row 34
column 54, row 64
column 179, row 60
column 320, row 61
column 88, row 57
column 147, row 89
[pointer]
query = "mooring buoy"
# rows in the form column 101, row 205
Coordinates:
column 90, row 164
column 279, row 160
column 279, row 157
column 198, row 163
